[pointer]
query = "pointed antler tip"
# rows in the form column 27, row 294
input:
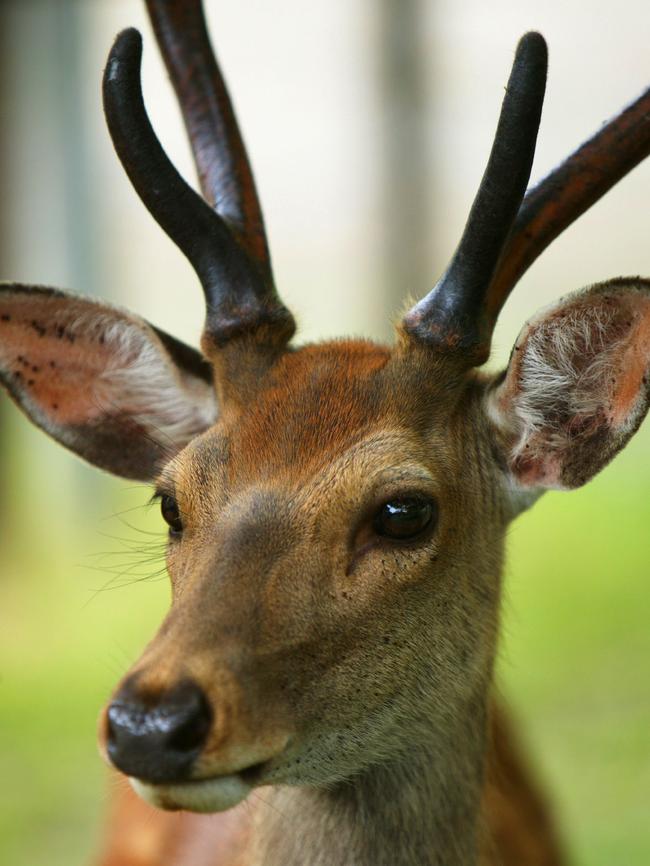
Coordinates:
column 533, row 41
column 238, row 287
column 531, row 61
column 453, row 317
column 531, row 51
column 126, row 49
column 126, row 43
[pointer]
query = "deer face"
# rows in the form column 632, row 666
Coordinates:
column 307, row 609
column 336, row 512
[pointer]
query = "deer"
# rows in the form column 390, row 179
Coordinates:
column 336, row 511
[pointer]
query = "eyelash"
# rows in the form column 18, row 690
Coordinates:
column 170, row 511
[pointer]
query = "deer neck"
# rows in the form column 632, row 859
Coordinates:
column 421, row 809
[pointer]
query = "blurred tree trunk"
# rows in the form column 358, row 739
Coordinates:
column 47, row 227
column 406, row 157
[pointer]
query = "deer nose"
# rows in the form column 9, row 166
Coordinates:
column 157, row 739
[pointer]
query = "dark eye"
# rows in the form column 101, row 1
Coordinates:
column 171, row 514
column 405, row 518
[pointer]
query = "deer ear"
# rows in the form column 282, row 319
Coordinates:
column 104, row 383
column 577, row 385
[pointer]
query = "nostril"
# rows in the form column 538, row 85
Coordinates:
column 191, row 733
column 189, row 720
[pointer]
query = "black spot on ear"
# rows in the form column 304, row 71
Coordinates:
column 35, row 369
column 30, row 381
column 55, row 405
column 5, row 317
column 52, row 364
column 40, row 329
column 60, row 331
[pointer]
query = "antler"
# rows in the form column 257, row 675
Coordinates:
column 224, row 240
column 444, row 317
column 567, row 192
column 224, row 171
column 450, row 317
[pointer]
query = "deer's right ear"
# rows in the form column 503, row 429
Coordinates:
column 118, row 392
column 577, row 386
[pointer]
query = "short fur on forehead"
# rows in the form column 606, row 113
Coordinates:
column 319, row 400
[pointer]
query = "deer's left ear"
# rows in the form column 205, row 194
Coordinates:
column 577, row 386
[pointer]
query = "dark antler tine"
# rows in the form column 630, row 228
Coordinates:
column 239, row 299
column 568, row 191
column 224, row 171
column 172, row 202
column 450, row 318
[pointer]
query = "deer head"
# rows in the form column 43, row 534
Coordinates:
column 336, row 512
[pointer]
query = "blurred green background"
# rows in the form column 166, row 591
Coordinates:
column 365, row 189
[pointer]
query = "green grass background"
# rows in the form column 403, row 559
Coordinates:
column 575, row 658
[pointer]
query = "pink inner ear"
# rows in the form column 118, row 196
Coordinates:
column 54, row 356
column 538, row 470
column 61, row 385
column 632, row 381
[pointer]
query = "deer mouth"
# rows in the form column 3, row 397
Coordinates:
column 215, row 794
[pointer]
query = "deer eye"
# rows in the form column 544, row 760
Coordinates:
column 171, row 514
column 405, row 518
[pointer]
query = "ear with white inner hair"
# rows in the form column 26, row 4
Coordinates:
column 104, row 383
column 577, row 386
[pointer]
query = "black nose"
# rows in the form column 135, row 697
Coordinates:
column 157, row 739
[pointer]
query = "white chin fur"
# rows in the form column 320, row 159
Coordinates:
column 207, row 795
